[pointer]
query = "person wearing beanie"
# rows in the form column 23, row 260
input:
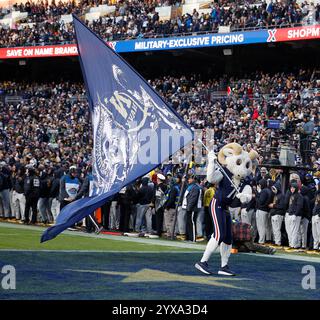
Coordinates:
column 173, row 196
column 295, row 176
column 316, row 223
column 294, row 205
column 159, row 200
column 182, row 210
column 91, row 224
column 270, row 184
column 32, row 194
column 18, row 197
column 169, row 178
column 310, row 184
column 144, row 198
column 277, row 212
column 54, row 194
column 69, row 187
column 44, row 203
column 5, row 186
column 305, row 217
column 263, row 200
column 192, row 202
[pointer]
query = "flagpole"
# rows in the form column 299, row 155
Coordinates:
column 98, row 229
column 101, row 68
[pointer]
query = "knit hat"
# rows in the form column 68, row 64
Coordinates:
column 276, row 187
column 72, row 168
column 263, row 183
column 294, row 184
column 161, row 177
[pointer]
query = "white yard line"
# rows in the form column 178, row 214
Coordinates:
column 287, row 257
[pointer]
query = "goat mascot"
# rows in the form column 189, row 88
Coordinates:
column 232, row 178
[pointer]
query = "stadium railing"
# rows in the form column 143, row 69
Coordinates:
column 121, row 37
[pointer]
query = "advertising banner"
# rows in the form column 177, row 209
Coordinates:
column 173, row 43
column 38, row 52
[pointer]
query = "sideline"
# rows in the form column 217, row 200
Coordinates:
column 159, row 242
column 91, row 251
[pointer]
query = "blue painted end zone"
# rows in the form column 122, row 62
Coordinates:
column 54, row 275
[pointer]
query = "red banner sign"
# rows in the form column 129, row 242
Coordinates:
column 299, row 33
column 38, row 52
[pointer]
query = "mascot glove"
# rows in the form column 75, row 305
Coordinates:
column 243, row 197
column 211, row 156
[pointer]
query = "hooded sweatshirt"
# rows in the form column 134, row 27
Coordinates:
column 145, row 193
column 316, row 208
column 264, row 197
column 294, row 201
column 306, row 209
column 55, row 185
column 44, row 185
column 279, row 207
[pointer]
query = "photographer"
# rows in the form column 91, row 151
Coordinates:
column 32, row 194
column 306, row 130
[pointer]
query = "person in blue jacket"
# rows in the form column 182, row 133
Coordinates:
column 69, row 187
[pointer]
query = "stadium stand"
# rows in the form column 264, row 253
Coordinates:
column 45, row 125
column 39, row 23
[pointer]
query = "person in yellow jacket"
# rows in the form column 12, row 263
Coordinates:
column 208, row 195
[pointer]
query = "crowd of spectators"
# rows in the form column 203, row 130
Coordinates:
column 46, row 123
column 243, row 115
column 57, row 113
column 138, row 19
column 45, row 134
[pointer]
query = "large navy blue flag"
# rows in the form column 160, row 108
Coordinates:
column 134, row 130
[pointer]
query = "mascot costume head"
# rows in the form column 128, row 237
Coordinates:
column 236, row 160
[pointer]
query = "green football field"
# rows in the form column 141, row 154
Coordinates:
column 18, row 238
column 82, row 266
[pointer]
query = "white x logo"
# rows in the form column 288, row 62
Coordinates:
column 112, row 44
column 272, row 35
